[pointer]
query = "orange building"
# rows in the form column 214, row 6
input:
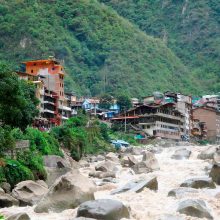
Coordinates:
column 51, row 71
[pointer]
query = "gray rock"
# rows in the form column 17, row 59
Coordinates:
column 100, row 174
column 208, row 153
column 182, row 191
column 42, row 183
column 6, row 187
column 29, row 192
column 195, row 208
column 136, row 151
column 84, row 163
column 112, row 157
column 7, row 200
column 215, row 174
column 83, row 218
column 181, row 154
column 106, row 166
column 128, row 161
column 100, row 158
column 19, row 216
column 68, row 192
column 53, row 161
column 104, row 209
column 137, row 186
column 199, row 182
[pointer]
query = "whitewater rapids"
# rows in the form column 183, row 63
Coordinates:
column 148, row 205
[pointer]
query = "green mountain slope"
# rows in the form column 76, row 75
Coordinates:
column 101, row 50
column 190, row 28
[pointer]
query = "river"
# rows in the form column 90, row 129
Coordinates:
column 149, row 205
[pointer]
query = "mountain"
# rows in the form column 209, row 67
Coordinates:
column 102, row 51
column 191, row 29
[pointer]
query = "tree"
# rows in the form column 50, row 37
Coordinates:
column 18, row 104
column 124, row 102
column 106, row 101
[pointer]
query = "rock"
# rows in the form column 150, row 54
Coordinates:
column 171, row 217
column 194, row 207
column 112, row 157
column 148, row 164
column 29, row 192
column 136, row 151
column 19, row 216
column 181, row 154
column 68, row 192
column 100, row 158
column 6, row 187
column 105, row 209
column 55, row 167
column 6, row 200
column 42, row 183
column 53, row 161
column 181, row 191
column 215, row 174
column 84, row 163
column 208, row 153
column 100, row 174
column 199, row 182
column 128, row 161
column 106, row 166
column 1, row 190
column 82, row 218
column 137, row 186
column 156, row 150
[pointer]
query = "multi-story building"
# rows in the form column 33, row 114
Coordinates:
column 48, row 75
column 162, row 121
column 211, row 118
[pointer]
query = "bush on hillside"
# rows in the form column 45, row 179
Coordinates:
column 15, row 172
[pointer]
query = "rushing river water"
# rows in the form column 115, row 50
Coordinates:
column 149, row 205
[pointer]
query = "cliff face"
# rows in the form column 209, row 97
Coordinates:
column 111, row 50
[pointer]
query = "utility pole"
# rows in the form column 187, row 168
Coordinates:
column 125, row 122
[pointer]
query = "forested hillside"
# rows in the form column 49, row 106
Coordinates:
column 102, row 51
column 190, row 28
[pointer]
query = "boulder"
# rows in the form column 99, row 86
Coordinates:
column 199, row 182
column 148, row 164
column 68, row 192
column 42, row 183
column 100, row 158
column 208, row 153
column 215, row 174
column 136, row 150
column 6, row 187
column 112, row 157
column 1, row 190
column 128, row 161
column 83, row 163
column 104, row 209
column 194, row 207
column 137, row 186
column 55, row 167
column 29, row 192
column 182, row 191
column 19, row 216
column 181, row 154
column 54, row 161
column 106, row 166
column 6, row 200
column 100, row 174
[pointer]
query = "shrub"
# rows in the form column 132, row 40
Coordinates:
column 34, row 161
column 15, row 172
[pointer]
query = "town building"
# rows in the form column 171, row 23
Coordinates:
column 162, row 121
column 211, row 118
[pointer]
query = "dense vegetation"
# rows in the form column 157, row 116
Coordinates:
column 190, row 28
column 102, row 51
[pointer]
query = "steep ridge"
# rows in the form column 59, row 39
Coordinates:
column 102, row 51
column 190, row 28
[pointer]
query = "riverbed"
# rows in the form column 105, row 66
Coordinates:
column 148, row 204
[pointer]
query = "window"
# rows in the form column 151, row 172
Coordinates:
column 32, row 71
column 35, row 64
column 53, row 68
